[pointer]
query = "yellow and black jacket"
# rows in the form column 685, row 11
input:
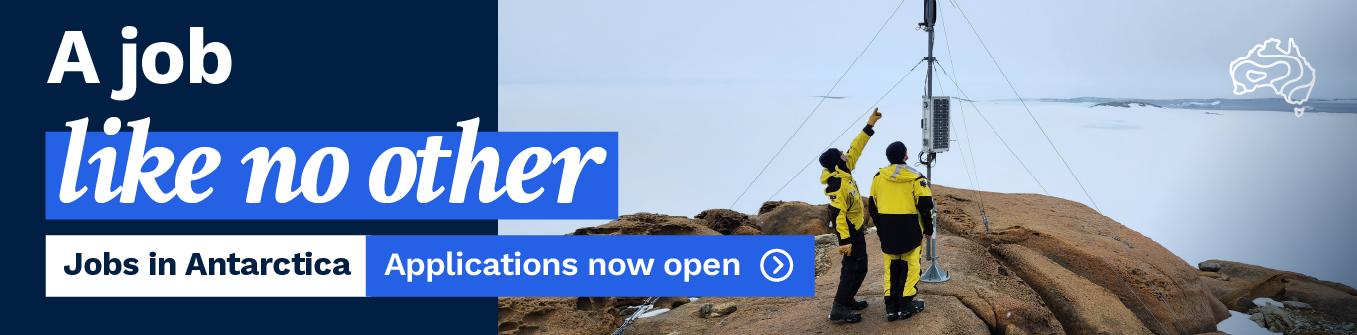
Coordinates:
column 845, row 202
column 900, row 203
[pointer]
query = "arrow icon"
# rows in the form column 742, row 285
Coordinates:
column 791, row 266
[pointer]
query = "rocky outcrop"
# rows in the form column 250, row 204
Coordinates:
column 1295, row 305
column 991, row 290
column 1294, row 317
column 1247, row 282
column 799, row 218
column 594, row 315
column 649, row 224
column 793, row 218
column 1324, row 299
column 1209, row 266
column 708, row 310
column 747, row 230
column 1274, row 318
column 1082, row 306
column 1163, row 291
column 1255, row 273
column 571, row 315
column 728, row 222
column 826, row 247
column 1044, row 266
column 943, row 315
column 562, row 315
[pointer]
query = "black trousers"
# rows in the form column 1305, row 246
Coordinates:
column 850, row 278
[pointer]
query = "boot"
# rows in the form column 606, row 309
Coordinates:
column 841, row 313
column 892, row 308
column 910, row 308
column 859, row 305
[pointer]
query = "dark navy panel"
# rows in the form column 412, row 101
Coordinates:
column 297, row 67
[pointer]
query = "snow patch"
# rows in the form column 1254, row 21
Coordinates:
column 655, row 312
column 1239, row 324
column 1266, row 301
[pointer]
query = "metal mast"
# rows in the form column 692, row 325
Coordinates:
column 934, row 274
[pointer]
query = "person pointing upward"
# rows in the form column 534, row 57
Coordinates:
column 846, row 217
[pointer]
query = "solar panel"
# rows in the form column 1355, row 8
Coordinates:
column 937, row 124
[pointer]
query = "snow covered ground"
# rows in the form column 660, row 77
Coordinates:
column 1205, row 186
column 1239, row 323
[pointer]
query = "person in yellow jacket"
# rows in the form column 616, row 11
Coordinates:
column 901, row 206
column 846, row 217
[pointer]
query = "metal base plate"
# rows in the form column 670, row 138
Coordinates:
column 934, row 274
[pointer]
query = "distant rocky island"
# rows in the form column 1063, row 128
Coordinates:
column 1341, row 105
column 1126, row 104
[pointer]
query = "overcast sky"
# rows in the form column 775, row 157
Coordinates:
column 1144, row 49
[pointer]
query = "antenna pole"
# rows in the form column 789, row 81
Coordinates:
column 929, row 6
column 934, row 274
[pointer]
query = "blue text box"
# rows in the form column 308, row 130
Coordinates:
column 595, row 193
column 758, row 276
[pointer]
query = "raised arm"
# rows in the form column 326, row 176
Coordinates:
column 855, row 149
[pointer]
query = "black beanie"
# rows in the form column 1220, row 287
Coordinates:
column 895, row 152
column 830, row 158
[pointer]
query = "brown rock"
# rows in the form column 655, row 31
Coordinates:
column 1324, row 299
column 1246, row 271
column 768, row 206
column 943, row 315
column 649, row 224
column 1043, row 270
column 562, row 315
column 1254, row 272
column 709, row 310
column 746, row 230
column 1082, row 306
column 725, row 221
column 799, row 218
column 998, row 297
column 1269, row 287
column 866, row 214
column 1220, row 288
column 586, row 315
column 1150, row 281
column 723, row 309
column 676, row 303
column 1249, row 281
column 987, row 288
column 794, row 218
